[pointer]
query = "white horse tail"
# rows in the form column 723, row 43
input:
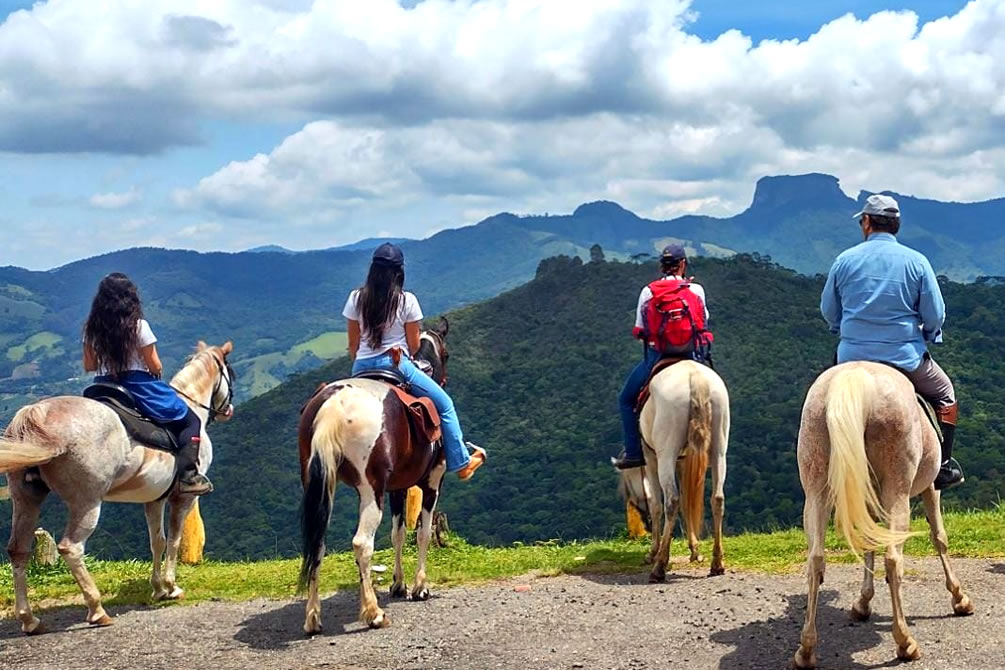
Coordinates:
column 849, row 475
column 695, row 464
column 26, row 442
column 349, row 421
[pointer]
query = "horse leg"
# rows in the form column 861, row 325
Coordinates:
column 82, row 522
column 671, row 501
column 430, row 494
column 154, row 512
column 862, row 610
column 180, row 508
column 362, row 545
column 900, row 520
column 27, row 508
column 398, row 589
column 962, row 605
column 654, row 501
column 718, row 499
column 815, row 514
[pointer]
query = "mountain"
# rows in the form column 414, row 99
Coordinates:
column 535, row 373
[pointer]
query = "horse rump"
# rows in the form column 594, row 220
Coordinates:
column 26, row 442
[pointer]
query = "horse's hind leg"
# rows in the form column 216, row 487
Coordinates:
column 27, row 507
column 900, row 520
column 82, row 522
column 815, row 514
column 962, row 605
column 671, row 501
column 719, row 439
column 398, row 588
column 654, row 501
column 862, row 609
column 154, row 512
column 362, row 544
column 430, row 494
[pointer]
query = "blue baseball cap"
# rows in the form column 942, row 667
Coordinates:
column 673, row 253
column 390, row 254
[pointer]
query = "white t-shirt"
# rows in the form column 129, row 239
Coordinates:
column 145, row 338
column 647, row 295
column 394, row 332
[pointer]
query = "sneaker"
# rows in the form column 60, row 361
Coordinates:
column 478, row 458
column 950, row 475
column 195, row 485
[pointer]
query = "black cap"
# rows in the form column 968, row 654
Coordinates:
column 390, row 254
column 673, row 253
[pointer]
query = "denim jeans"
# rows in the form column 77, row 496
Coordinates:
column 626, row 403
column 423, row 385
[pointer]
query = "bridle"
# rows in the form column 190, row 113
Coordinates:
column 226, row 372
column 439, row 346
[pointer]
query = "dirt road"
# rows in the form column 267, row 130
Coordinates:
column 740, row 620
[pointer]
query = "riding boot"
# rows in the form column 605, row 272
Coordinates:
column 190, row 480
column 950, row 473
column 624, row 461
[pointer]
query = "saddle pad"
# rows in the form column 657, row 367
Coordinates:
column 933, row 418
column 142, row 429
column 660, row 366
column 422, row 415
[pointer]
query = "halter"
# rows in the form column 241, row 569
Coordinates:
column 213, row 411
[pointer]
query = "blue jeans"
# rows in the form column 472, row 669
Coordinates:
column 627, row 400
column 423, row 385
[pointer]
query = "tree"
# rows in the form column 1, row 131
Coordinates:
column 597, row 254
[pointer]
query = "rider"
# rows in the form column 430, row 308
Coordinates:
column 120, row 347
column 884, row 300
column 673, row 265
column 381, row 317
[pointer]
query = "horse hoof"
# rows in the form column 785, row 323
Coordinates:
column 420, row 594
column 697, row 558
column 716, row 571
column 158, row 596
column 175, row 594
column 963, row 608
column 380, row 621
column 909, row 652
column 855, row 614
column 34, row 628
column 102, row 621
column 399, row 590
column 657, row 577
column 802, row 660
column 312, row 626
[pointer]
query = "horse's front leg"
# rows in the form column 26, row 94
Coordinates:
column 862, row 609
column 398, row 588
column 180, row 507
column 370, row 515
column 654, row 501
column 154, row 512
column 430, row 494
column 962, row 605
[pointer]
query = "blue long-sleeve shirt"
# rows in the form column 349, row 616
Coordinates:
column 884, row 300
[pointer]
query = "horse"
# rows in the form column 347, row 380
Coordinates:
column 865, row 448
column 685, row 428
column 356, row 430
column 85, row 456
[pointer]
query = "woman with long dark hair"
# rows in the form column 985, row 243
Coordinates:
column 121, row 348
column 382, row 316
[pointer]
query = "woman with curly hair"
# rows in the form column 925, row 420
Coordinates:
column 121, row 348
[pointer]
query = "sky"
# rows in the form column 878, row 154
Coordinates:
column 238, row 123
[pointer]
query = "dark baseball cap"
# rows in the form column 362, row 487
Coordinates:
column 673, row 252
column 389, row 253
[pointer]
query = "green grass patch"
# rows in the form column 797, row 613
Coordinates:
column 326, row 345
column 42, row 340
column 972, row 535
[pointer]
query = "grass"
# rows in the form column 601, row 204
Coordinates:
column 972, row 535
column 42, row 340
column 256, row 373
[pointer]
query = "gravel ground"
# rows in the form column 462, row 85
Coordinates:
column 740, row 620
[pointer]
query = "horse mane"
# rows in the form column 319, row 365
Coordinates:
column 196, row 376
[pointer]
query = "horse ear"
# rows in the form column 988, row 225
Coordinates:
column 200, row 346
column 443, row 328
column 227, row 347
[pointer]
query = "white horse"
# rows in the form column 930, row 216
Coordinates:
column 685, row 428
column 84, row 455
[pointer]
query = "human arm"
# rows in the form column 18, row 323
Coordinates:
column 352, row 326
column 152, row 360
column 830, row 301
column 412, row 337
column 931, row 305
column 644, row 296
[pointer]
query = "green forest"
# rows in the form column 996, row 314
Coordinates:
column 535, row 373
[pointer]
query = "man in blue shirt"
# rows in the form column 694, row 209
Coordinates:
column 884, row 300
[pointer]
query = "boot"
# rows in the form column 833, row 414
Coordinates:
column 950, row 474
column 477, row 459
column 626, row 462
column 190, row 480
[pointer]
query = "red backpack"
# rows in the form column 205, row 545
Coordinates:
column 673, row 320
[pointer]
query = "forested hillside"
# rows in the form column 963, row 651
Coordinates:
column 536, row 372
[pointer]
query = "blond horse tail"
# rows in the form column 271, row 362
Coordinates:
column 26, row 442
column 849, row 476
column 695, row 463
column 351, row 418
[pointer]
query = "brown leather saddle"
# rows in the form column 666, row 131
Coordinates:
column 660, row 366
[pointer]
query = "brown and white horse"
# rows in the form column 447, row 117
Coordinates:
column 356, row 431
column 85, row 456
column 865, row 447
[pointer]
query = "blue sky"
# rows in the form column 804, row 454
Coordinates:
column 177, row 127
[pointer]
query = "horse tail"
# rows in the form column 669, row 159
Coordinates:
column 26, row 442
column 849, row 477
column 340, row 424
column 695, row 464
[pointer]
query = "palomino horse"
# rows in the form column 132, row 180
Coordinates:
column 85, row 456
column 356, row 430
column 863, row 429
column 685, row 426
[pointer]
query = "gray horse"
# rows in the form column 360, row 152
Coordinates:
column 85, row 456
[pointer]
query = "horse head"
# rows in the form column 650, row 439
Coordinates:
column 199, row 373
column 633, row 487
column 433, row 351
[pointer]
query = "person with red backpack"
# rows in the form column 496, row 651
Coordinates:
column 671, row 321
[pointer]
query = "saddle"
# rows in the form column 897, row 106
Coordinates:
column 933, row 417
column 139, row 427
column 660, row 366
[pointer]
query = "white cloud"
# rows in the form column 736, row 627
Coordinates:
column 115, row 200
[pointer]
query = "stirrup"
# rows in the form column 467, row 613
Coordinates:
column 197, row 485
column 950, row 475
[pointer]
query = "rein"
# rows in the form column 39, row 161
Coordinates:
column 213, row 412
